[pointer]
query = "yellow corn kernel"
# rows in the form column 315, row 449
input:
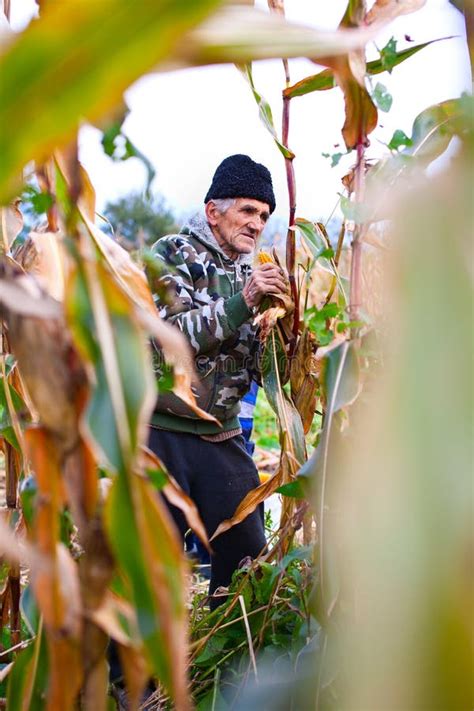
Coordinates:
column 264, row 257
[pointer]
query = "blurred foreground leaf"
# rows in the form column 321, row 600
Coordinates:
column 405, row 494
column 66, row 66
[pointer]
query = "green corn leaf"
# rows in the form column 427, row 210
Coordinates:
column 295, row 489
column 291, row 428
column 104, row 322
column 107, row 335
column 325, row 79
column 316, row 242
column 434, row 128
column 432, row 132
column 28, row 680
column 265, row 110
column 6, row 426
column 157, row 589
column 388, row 55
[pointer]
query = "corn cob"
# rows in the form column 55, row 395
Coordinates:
column 264, row 257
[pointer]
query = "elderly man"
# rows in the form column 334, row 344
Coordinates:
column 213, row 294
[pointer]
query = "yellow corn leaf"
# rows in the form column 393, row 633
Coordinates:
column 127, row 273
column 303, row 379
column 136, row 672
column 94, row 696
column 75, row 173
column 56, row 581
column 349, row 73
column 110, row 616
column 305, row 401
column 176, row 496
column 253, row 499
column 132, row 282
column 268, row 320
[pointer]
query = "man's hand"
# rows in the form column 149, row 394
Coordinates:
column 265, row 279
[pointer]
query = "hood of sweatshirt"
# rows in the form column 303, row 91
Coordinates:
column 200, row 227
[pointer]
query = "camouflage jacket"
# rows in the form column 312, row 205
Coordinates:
column 205, row 301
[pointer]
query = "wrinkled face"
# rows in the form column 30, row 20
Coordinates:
column 238, row 229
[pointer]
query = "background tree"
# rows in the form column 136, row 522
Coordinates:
column 137, row 220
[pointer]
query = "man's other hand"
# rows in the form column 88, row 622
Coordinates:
column 265, row 279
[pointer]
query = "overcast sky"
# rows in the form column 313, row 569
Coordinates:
column 187, row 121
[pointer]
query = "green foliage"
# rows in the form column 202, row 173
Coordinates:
column 276, row 597
column 382, row 97
column 335, row 157
column 318, row 321
column 8, row 392
column 399, row 139
column 388, row 55
column 138, row 220
column 27, row 682
column 120, row 148
column 38, row 201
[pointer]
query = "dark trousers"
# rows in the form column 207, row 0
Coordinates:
column 217, row 476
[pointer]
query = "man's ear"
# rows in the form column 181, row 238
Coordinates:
column 212, row 213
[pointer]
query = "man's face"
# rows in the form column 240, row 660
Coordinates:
column 238, row 229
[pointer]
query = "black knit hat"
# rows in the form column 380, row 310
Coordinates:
column 240, row 176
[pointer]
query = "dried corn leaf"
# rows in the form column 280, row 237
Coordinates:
column 11, row 224
column 303, row 379
column 292, row 441
column 117, row 618
column 133, row 283
column 384, row 11
column 43, row 256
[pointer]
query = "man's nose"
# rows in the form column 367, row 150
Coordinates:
column 256, row 224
